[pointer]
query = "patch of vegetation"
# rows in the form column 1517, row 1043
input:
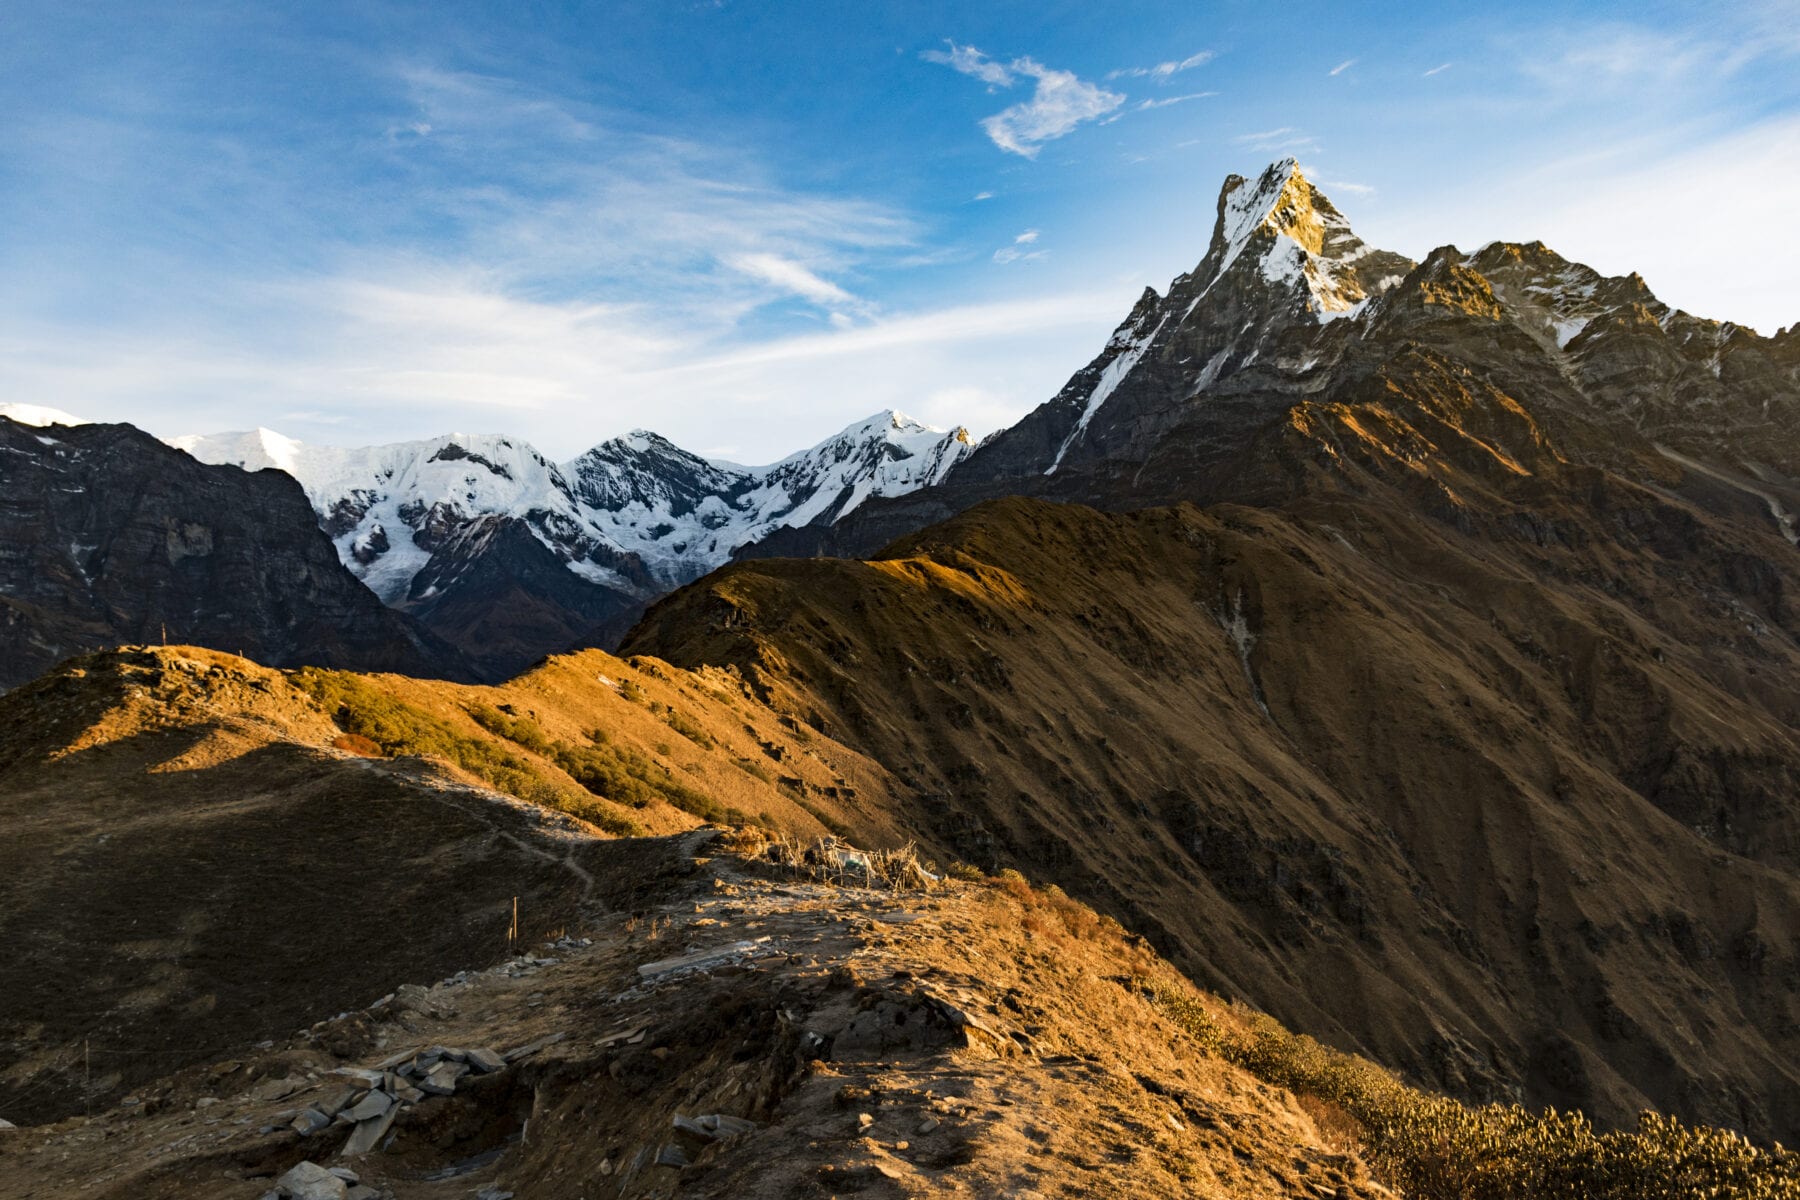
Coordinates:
column 1434, row 1148
column 521, row 730
column 392, row 727
column 625, row 776
column 688, row 728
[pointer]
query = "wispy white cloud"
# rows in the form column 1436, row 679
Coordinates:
column 793, row 277
column 971, row 61
column 1342, row 67
column 1285, row 139
column 1019, row 251
column 1164, row 71
column 984, row 196
column 1440, row 67
column 1060, row 101
column 440, row 351
column 1343, row 185
column 1143, row 105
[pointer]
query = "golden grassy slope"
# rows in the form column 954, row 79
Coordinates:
column 200, row 851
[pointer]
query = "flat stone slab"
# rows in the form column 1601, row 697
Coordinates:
column 277, row 1089
column 700, row 958
column 530, row 1048
column 368, row 1134
column 371, row 1105
column 443, row 1077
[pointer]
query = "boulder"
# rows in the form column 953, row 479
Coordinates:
column 310, row 1181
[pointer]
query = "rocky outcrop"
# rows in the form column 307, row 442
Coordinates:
column 107, row 536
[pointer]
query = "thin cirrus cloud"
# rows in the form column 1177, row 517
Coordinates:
column 1342, row 67
column 793, row 277
column 1285, row 139
column 1164, row 71
column 1060, row 100
column 1439, row 68
column 1144, row 105
column 1015, row 252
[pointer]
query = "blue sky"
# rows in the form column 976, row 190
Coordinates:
column 745, row 225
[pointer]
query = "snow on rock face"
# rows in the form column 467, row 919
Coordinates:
column 683, row 515
column 636, row 513
column 38, row 414
column 1304, row 240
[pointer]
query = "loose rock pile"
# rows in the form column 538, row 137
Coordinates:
column 369, row 1099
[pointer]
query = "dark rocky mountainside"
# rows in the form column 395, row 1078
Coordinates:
column 1289, row 311
column 1473, row 744
column 108, row 536
column 1510, row 808
column 495, row 590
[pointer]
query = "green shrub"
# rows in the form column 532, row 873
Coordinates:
column 366, row 712
column 522, row 730
column 1434, row 1148
column 688, row 728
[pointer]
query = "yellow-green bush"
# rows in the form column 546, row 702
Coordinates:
column 396, row 727
column 1434, row 1148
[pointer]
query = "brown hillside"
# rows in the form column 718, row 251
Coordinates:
column 1509, row 806
column 202, row 852
column 962, row 1041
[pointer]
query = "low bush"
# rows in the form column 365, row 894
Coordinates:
column 390, row 726
column 1434, row 1148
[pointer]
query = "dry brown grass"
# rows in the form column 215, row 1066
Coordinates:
column 832, row 860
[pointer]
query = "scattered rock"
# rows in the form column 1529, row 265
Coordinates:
column 366, row 1077
column 714, row 1126
column 310, row 1181
column 310, row 1122
column 486, row 1061
column 275, row 1089
column 671, row 1155
column 427, row 1002
column 530, row 1048
column 368, row 1134
column 929, row 1125
column 372, row 1105
column 442, row 1079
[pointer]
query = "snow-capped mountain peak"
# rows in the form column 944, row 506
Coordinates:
column 636, row 513
column 1303, row 240
column 38, row 414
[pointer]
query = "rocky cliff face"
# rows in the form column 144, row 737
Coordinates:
column 107, row 536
